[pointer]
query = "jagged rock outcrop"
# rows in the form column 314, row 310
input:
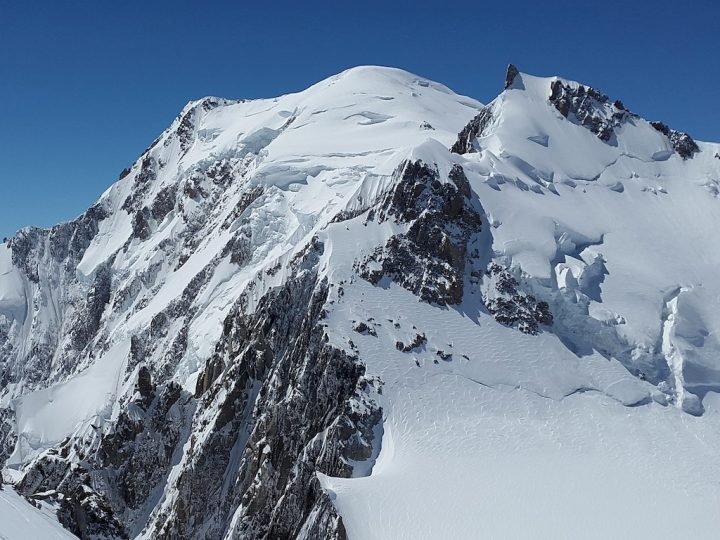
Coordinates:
column 681, row 141
column 429, row 258
column 284, row 412
column 89, row 313
column 510, row 75
column 278, row 405
column 466, row 141
column 588, row 108
column 82, row 509
column 107, row 495
column 146, row 176
column 511, row 306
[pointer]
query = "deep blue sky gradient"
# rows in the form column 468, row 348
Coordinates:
column 85, row 85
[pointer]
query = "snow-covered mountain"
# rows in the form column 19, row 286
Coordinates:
column 377, row 309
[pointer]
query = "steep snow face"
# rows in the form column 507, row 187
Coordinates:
column 19, row 520
column 308, row 317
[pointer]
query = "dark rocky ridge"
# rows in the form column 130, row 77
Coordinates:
column 510, row 76
column 582, row 105
column 475, row 128
column 589, row 108
column 592, row 110
column 429, row 258
column 276, row 397
column 683, row 144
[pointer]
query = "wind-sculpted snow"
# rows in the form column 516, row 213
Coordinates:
column 306, row 317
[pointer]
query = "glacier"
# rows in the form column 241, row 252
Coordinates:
column 377, row 309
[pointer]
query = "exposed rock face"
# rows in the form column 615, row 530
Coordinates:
column 87, row 317
column 276, row 404
column 83, row 510
column 137, row 453
column 592, row 110
column 467, row 137
column 681, row 141
column 142, row 184
column 429, row 258
column 164, row 203
column 297, row 390
column 511, row 306
column 7, row 434
column 106, row 497
column 589, row 108
column 23, row 247
column 510, row 75
column 62, row 246
column 48, row 259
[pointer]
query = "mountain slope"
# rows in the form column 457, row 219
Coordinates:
column 377, row 309
column 20, row 520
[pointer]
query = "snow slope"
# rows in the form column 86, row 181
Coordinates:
column 19, row 520
column 133, row 368
column 523, row 440
column 552, row 436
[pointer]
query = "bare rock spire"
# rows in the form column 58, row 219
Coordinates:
column 510, row 75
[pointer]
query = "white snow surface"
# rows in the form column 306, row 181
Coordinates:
column 567, row 434
column 19, row 520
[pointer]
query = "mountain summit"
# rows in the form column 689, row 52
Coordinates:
column 377, row 309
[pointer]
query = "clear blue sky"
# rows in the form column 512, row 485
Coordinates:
column 85, row 86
